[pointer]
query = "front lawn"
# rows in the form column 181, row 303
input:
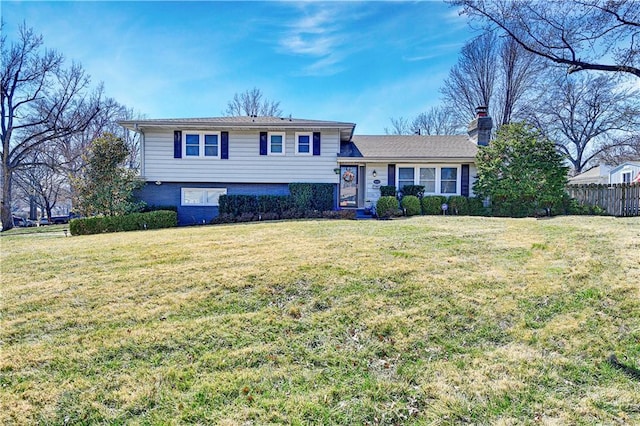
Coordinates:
column 429, row 320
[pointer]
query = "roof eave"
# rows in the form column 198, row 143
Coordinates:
column 406, row 160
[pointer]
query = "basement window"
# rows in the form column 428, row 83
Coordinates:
column 201, row 196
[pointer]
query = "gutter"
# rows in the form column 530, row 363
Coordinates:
column 407, row 160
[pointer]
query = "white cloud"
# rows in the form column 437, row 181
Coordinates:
column 322, row 34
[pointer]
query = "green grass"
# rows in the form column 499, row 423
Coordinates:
column 430, row 320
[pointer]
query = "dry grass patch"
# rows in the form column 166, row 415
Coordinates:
column 432, row 320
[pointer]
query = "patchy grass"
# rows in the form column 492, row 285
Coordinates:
column 431, row 320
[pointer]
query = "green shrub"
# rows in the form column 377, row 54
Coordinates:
column 415, row 190
column 132, row 222
column 387, row 206
column 274, row 203
column 411, row 205
column 458, row 205
column 237, row 204
column 388, row 191
column 574, row 207
column 312, row 196
column 476, row 207
column 432, row 204
column 153, row 208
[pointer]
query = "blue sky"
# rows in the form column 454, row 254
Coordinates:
column 361, row 62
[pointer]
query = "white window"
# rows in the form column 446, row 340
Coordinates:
column 276, row 143
column 428, row 179
column 304, row 143
column 626, row 177
column 448, row 180
column 201, row 144
column 435, row 179
column 202, row 196
column 405, row 177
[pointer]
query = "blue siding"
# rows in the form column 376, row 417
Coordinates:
column 168, row 194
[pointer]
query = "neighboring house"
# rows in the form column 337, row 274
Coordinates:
column 189, row 163
column 625, row 173
column 595, row 175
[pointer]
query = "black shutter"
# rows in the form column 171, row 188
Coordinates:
column 316, row 143
column 263, row 143
column 177, row 144
column 391, row 175
column 224, row 145
column 464, row 184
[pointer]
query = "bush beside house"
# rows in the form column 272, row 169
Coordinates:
column 432, row 204
column 411, row 205
column 306, row 200
column 131, row 222
column 387, row 206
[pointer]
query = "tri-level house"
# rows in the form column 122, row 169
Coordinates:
column 190, row 162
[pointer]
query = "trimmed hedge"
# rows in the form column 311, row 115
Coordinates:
column 387, row 191
column 312, row 196
column 387, row 206
column 476, row 207
column 458, row 205
column 432, row 204
column 131, row 222
column 415, row 190
column 411, row 205
column 305, row 199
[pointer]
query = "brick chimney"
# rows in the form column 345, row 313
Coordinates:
column 479, row 129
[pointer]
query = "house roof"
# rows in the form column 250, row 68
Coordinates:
column 241, row 122
column 628, row 164
column 598, row 174
column 408, row 148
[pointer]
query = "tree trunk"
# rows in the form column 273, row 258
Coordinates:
column 5, row 205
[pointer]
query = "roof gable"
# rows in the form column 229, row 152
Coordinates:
column 631, row 164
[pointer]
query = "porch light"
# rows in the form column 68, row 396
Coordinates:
column 374, row 173
column 336, row 170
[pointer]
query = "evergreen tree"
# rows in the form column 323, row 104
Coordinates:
column 521, row 172
column 106, row 186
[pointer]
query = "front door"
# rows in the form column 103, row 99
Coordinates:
column 349, row 186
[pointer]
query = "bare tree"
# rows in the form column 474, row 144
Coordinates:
column 41, row 102
column 493, row 72
column 620, row 151
column 436, row 121
column 42, row 182
column 471, row 82
column 585, row 115
column 399, row 126
column 602, row 35
column 251, row 103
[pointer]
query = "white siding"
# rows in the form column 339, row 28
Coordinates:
column 245, row 164
column 372, row 193
column 629, row 168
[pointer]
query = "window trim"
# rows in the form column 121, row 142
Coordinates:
column 626, row 173
column 201, row 143
column 435, row 178
column 297, row 143
column 284, row 143
column 456, row 192
column 203, row 203
column 438, row 167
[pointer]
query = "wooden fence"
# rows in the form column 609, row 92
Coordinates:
column 622, row 199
